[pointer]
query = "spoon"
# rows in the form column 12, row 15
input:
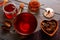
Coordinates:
column 20, row 8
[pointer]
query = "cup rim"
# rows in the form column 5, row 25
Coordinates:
column 20, row 32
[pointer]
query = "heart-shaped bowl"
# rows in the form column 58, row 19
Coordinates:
column 49, row 27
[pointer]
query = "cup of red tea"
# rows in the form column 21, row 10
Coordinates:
column 1, row 2
column 34, row 6
column 25, row 23
column 10, row 10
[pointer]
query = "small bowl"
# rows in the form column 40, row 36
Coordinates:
column 33, row 7
column 49, row 13
column 49, row 27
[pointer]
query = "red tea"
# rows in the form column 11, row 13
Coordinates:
column 10, row 11
column 1, row 3
column 25, row 23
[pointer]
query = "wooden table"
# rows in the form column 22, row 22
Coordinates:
column 38, row 34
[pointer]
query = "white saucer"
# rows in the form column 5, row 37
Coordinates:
column 50, row 14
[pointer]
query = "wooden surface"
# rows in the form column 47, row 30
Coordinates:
column 38, row 34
